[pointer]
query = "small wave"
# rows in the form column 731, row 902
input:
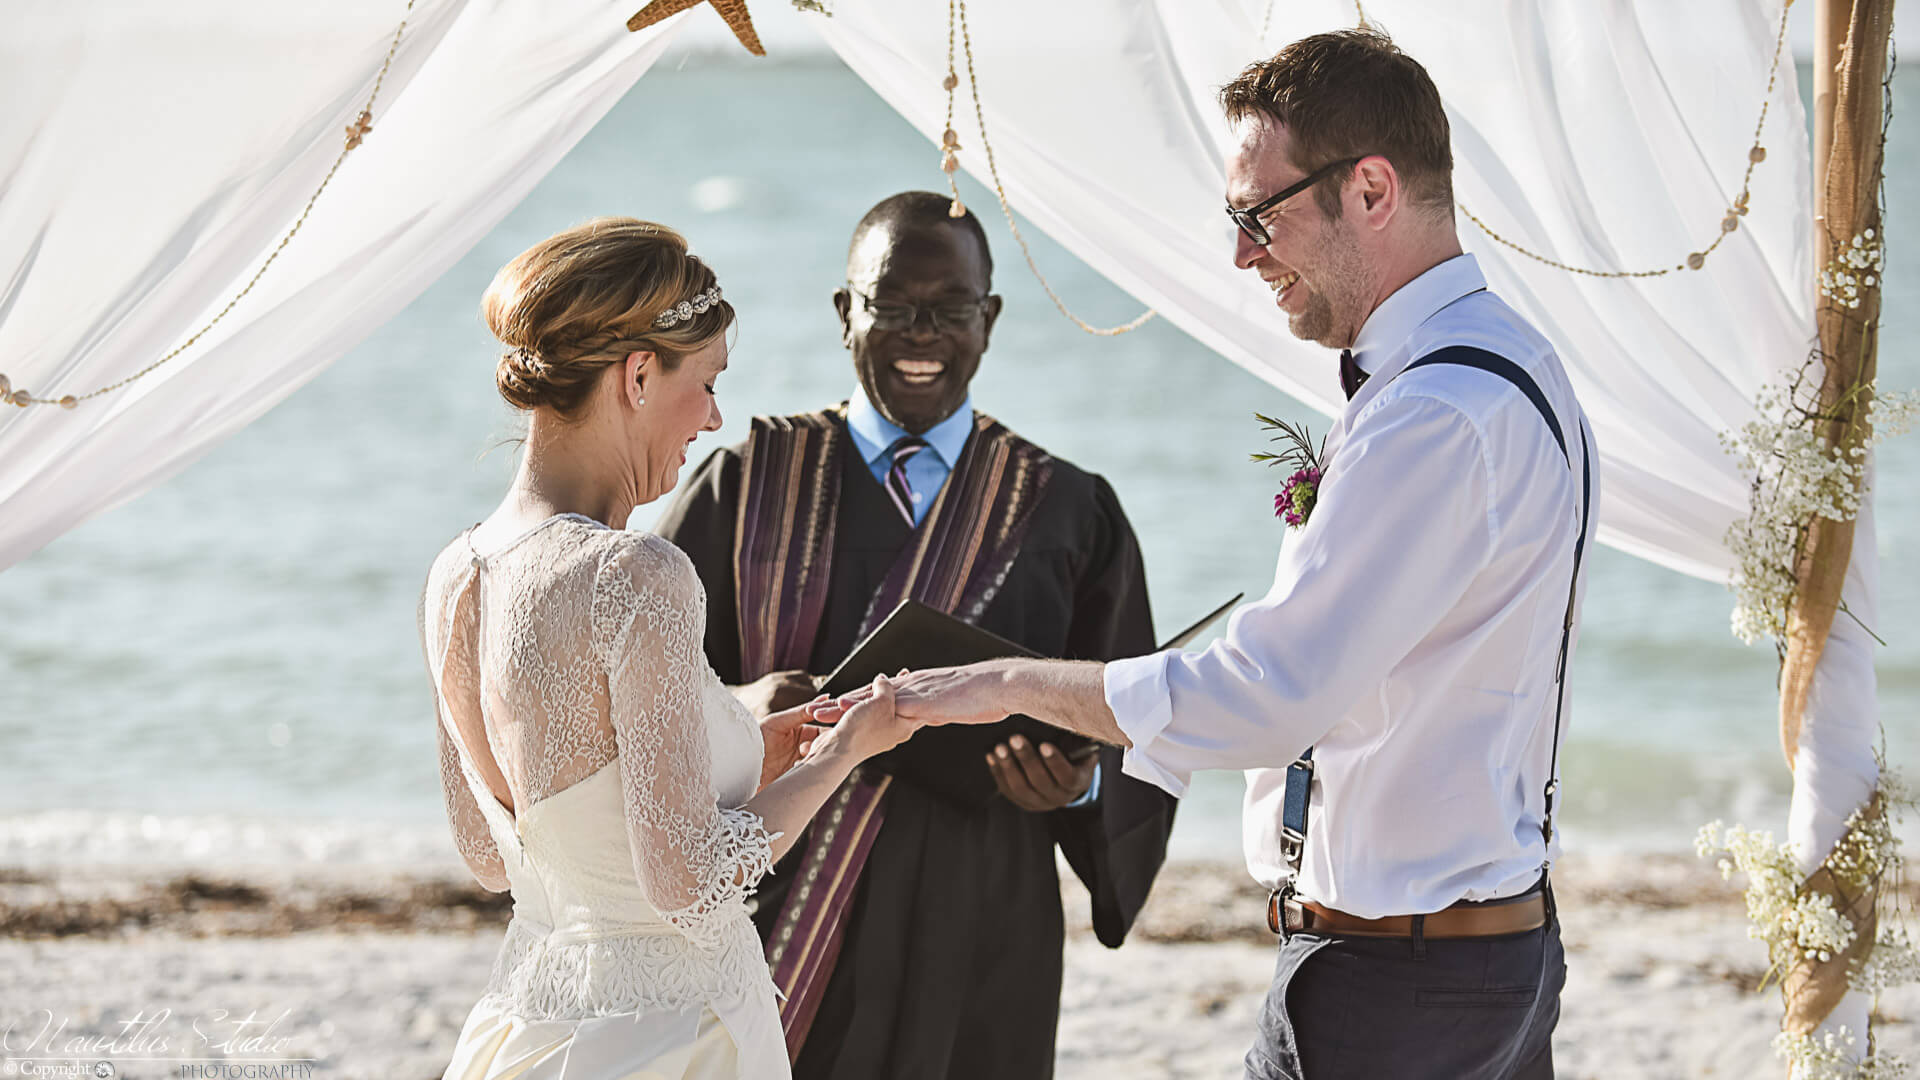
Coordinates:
column 89, row 837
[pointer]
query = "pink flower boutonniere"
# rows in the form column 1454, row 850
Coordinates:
column 1302, row 490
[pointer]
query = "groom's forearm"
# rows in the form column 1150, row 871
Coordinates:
column 1069, row 694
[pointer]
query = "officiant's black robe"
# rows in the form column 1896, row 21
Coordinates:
column 952, row 959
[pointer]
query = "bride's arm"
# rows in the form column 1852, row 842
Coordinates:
column 471, row 836
column 692, row 857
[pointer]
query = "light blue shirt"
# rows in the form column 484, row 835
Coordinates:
column 927, row 471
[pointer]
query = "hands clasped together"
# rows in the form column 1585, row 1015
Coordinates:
column 884, row 714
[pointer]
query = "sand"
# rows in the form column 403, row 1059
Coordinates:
column 369, row 973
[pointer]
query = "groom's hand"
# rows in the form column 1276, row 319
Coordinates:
column 775, row 692
column 1039, row 778
column 974, row 694
column 956, row 695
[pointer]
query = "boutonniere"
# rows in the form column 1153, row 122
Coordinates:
column 1298, row 453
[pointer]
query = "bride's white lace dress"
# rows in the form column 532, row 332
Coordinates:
column 575, row 653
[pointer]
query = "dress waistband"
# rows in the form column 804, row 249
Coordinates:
column 533, row 927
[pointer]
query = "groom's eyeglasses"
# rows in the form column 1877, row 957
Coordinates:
column 945, row 315
column 1249, row 219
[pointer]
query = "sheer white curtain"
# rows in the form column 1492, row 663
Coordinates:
column 151, row 157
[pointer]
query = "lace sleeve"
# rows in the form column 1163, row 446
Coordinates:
column 471, row 836
column 470, row 833
column 695, row 860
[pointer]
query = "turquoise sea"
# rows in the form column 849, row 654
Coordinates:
column 228, row 668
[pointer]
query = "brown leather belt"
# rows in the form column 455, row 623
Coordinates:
column 1291, row 915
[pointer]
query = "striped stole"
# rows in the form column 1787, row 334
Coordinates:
column 783, row 538
column 956, row 561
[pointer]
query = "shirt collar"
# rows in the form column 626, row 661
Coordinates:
column 873, row 434
column 1381, row 346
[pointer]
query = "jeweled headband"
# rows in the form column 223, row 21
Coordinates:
column 687, row 309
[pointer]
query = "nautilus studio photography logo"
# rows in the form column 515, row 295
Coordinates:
column 220, row 1044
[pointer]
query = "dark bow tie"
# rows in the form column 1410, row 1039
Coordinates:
column 1351, row 377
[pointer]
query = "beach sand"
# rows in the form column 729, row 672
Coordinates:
column 369, row 973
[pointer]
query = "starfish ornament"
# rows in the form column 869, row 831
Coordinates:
column 734, row 11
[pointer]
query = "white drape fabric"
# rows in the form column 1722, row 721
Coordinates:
column 151, row 156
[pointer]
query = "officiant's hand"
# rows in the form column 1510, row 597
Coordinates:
column 1039, row 778
column 775, row 692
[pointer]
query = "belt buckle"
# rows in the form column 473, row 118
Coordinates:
column 1280, row 903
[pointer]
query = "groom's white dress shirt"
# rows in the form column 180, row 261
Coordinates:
column 1412, row 632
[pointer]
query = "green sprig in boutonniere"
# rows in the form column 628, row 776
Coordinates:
column 1302, row 490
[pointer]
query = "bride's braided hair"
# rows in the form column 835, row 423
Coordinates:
column 582, row 300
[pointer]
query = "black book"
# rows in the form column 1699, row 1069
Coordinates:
column 951, row 760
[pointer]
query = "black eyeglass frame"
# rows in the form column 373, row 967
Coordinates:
column 976, row 307
column 1249, row 219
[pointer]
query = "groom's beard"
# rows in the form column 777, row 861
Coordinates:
column 1336, row 288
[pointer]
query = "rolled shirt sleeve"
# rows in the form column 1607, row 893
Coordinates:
column 1401, row 529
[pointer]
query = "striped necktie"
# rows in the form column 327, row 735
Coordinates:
column 898, row 489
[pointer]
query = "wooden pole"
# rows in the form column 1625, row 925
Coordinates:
column 1851, row 40
column 1850, row 57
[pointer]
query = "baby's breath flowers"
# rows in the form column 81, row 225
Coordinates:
column 1831, row 1057
column 1798, row 475
column 1801, row 924
column 1855, row 269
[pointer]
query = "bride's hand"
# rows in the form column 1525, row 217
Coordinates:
column 787, row 738
column 872, row 726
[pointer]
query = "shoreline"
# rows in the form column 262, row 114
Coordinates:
column 1193, row 902
column 370, row 972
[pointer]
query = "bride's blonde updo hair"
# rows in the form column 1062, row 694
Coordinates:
column 581, row 300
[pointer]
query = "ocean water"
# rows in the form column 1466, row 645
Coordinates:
column 227, row 668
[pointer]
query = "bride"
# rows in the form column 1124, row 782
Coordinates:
column 591, row 760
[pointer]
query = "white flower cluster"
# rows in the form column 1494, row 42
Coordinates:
column 1855, row 268
column 1895, row 961
column 1773, row 886
column 1817, row 930
column 1798, row 476
column 1830, row 1057
column 1801, row 925
column 1868, row 849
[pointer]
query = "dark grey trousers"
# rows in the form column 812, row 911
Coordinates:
column 1407, row 1009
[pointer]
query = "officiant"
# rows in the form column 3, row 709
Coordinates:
column 917, row 931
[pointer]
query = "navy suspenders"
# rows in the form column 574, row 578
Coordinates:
column 1293, row 808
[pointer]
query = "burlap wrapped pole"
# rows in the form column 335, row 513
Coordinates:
column 1850, row 68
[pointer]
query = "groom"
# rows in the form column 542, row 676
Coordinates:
column 1398, row 693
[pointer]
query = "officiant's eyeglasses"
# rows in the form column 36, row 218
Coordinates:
column 1249, row 219
column 946, row 315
